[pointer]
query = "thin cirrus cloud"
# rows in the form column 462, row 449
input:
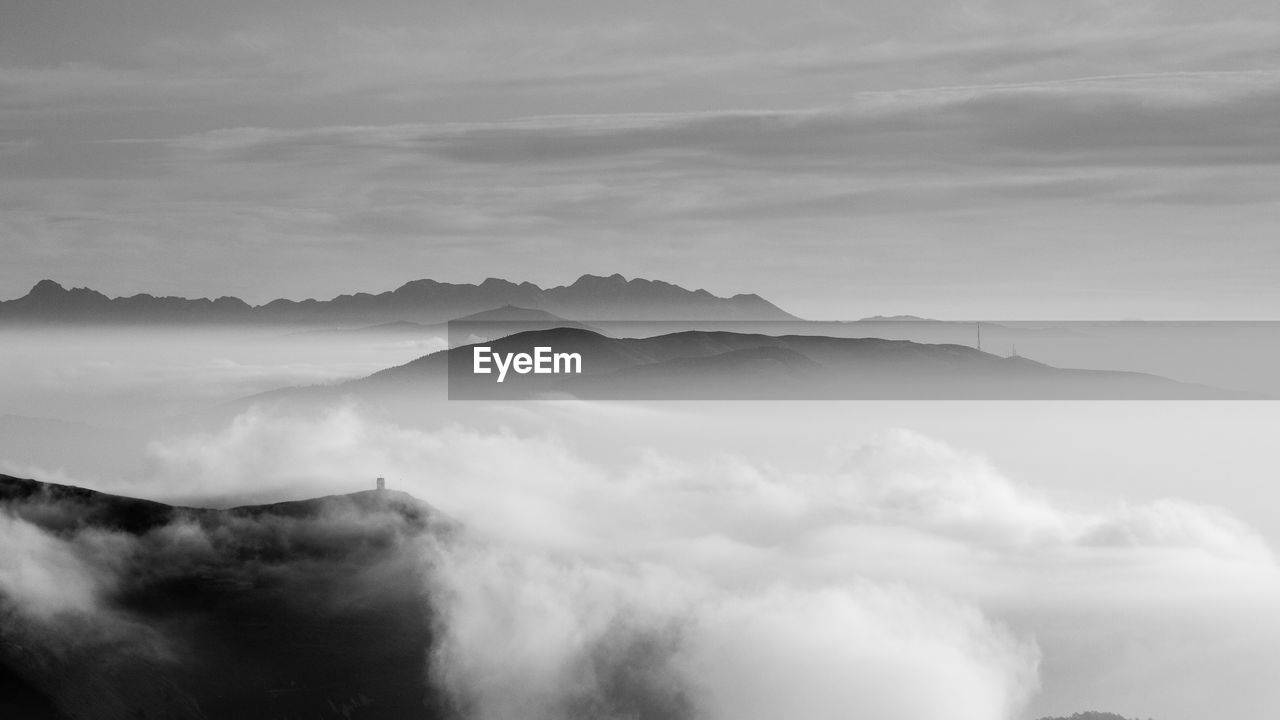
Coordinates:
column 176, row 57
column 1184, row 118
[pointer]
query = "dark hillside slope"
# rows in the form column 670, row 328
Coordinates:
column 315, row 608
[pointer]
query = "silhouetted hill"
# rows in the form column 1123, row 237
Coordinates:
column 511, row 313
column 1090, row 715
column 728, row 365
column 897, row 318
column 422, row 301
column 314, row 608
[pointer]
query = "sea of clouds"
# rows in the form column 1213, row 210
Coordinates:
column 901, row 578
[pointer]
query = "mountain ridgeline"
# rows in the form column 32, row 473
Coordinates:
column 314, row 608
column 1091, row 715
column 720, row 365
column 590, row 297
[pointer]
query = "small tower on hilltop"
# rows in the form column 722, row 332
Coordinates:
column 382, row 483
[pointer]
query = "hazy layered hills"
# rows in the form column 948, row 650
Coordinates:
column 421, row 301
column 729, row 365
column 1090, row 715
column 505, row 320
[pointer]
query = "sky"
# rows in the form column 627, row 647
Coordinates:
column 957, row 159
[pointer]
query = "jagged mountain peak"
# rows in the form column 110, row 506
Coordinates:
column 46, row 287
column 590, row 297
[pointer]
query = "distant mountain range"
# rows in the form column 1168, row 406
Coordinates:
column 897, row 318
column 729, row 365
column 590, row 297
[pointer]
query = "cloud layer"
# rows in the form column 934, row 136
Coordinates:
column 903, row 563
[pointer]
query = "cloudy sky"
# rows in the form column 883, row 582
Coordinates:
column 953, row 158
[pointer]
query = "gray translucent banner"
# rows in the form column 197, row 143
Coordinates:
column 862, row 360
